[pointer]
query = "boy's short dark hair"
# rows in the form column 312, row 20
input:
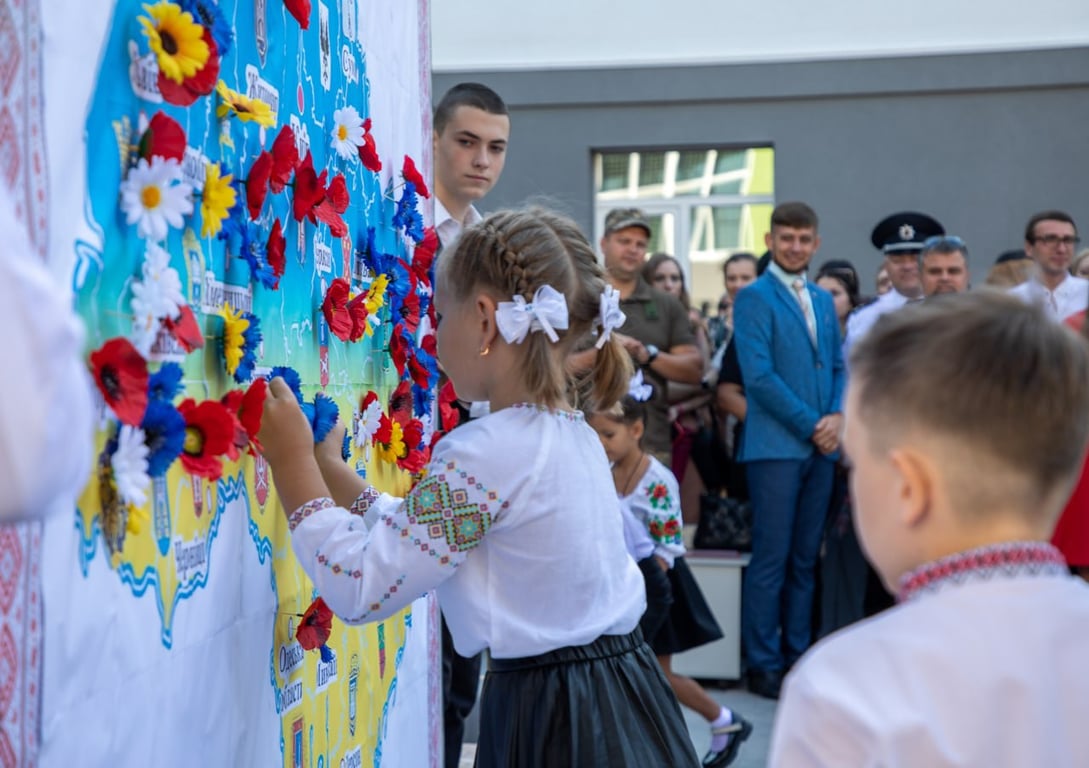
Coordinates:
column 994, row 375
column 796, row 215
column 466, row 95
column 1030, row 228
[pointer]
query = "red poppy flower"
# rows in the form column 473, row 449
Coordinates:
column 200, row 84
column 163, row 138
column 334, row 204
column 429, row 345
column 409, row 308
column 408, row 170
column 121, row 375
column 247, row 407
column 449, row 415
column 316, row 626
column 275, row 251
column 400, row 404
column 659, row 491
column 335, row 309
column 398, row 350
column 185, row 329
column 300, row 9
column 423, row 256
column 285, row 157
column 209, row 434
column 309, row 189
column 357, row 310
column 368, row 152
column 672, row 528
column 257, row 183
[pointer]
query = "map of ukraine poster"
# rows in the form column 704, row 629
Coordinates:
column 252, row 206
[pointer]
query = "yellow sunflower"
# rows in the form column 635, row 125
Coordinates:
column 176, row 40
column 243, row 107
column 234, row 325
column 216, row 200
column 376, row 295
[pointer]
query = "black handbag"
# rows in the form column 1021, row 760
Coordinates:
column 725, row 523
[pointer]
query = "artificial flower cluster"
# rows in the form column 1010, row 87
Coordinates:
column 152, row 433
column 189, row 39
column 397, row 436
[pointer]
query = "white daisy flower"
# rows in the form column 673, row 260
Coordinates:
column 154, row 197
column 129, row 463
column 347, row 132
column 369, row 421
column 145, row 328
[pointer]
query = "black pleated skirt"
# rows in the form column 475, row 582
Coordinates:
column 598, row 705
column 690, row 623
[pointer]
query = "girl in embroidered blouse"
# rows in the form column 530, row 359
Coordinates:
column 677, row 616
column 516, row 524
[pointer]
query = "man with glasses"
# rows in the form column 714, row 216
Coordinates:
column 900, row 237
column 1051, row 239
column 943, row 264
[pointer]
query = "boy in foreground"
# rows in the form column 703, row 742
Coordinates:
column 967, row 417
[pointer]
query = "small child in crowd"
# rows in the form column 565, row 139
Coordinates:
column 677, row 616
column 966, row 421
column 516, row 523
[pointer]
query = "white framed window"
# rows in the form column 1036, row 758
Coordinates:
column 703, row 204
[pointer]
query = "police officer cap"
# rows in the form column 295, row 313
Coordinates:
column 905, row 231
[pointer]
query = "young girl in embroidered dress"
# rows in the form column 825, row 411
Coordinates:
column 677, row 616
column 516, row 524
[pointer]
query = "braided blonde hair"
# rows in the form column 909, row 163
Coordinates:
column 513, row 253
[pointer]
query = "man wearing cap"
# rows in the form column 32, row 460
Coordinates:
column 656, row 331
column 900, row 237
column 1051, row 238
column 943, row 263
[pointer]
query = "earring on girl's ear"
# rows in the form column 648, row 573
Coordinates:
column 484, row 352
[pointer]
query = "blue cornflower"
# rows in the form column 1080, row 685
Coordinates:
column 291, row 378
column 209, row 16
column 164, row 434
column 324, row 418
column 251, row 338
column 165, row 384
column 407, row 217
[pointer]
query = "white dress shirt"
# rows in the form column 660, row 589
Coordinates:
column 1069, row 297
column 46, row 413
column 516, row 524
column 447, row 227
column 980, row 668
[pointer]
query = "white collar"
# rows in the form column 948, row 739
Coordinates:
column 442, row 215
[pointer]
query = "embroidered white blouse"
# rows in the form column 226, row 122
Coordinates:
column 652, row 515
column 983, row 664
column 517, row 526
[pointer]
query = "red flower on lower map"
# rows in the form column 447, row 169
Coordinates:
column 316, row 626
column 285, row 156
column 120, row 372
column 209, row 434
column 247, row 407
column 200, row 84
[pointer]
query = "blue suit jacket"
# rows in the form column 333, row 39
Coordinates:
column 789, row 383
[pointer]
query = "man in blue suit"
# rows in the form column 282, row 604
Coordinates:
column 788, row 345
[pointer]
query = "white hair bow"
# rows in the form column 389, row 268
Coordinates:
column 638, row 390
column 547, row 313
column 609, row 315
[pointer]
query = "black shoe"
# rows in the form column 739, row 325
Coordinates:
column 764, row 682
column 739, row 730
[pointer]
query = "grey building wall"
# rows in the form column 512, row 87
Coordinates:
column 980, row 141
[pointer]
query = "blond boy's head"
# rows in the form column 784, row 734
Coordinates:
column 967, row 420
